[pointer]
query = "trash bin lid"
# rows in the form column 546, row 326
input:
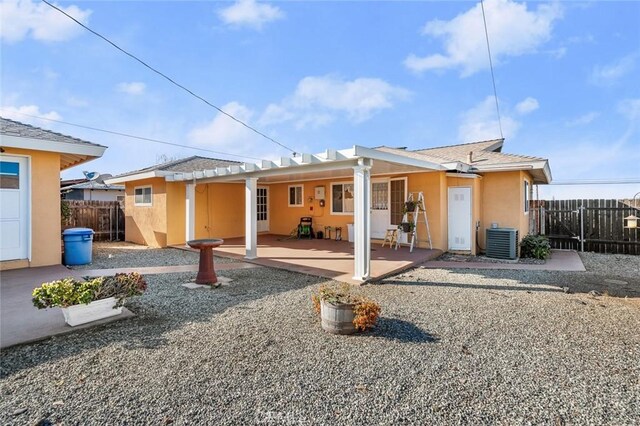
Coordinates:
column 78, row 231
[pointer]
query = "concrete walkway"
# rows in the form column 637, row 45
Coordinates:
column 560, row 260
column 21, row 322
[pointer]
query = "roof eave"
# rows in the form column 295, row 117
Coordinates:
column 541, row 166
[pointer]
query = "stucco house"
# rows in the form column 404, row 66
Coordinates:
column 466, row 188
column 30, row 163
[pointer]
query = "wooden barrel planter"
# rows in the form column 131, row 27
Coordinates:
column 337, row 319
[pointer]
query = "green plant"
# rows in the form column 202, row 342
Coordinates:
column 535, row 246
column 70, row 291
column 65, row 212
column 409, row 207
column 407, row 226
column 366, row 310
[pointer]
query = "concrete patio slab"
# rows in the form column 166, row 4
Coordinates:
column 20, row 321
column 324, row 258
column 560, row 260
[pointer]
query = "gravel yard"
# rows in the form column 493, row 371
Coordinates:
column 111, row 255
column 464, row 346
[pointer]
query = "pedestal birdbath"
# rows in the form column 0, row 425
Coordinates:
column 206, row 270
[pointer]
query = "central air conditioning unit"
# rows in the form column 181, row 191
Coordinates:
column 502, row 243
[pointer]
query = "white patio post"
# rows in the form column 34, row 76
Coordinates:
column 251, row 218
column 362, row 220
column 190, row 212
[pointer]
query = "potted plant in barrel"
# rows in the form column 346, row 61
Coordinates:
column 344, row 312
column 89, row 300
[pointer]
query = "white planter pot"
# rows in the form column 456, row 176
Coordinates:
column 82, row 314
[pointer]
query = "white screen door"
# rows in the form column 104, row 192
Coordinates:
column 263, row 209
column 459, row 218
column 380, row 217
column 14, row 208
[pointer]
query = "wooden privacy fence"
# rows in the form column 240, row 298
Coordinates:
column 586, row 225
column 106, row 218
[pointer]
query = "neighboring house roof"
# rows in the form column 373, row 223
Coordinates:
column 93, row 185
column 183, row 165
column 25, row 136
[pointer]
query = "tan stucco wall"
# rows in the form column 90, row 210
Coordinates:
column 503, row 202
column 220, row 210
column 45, row 208
column 146, row 224
column 176, row 213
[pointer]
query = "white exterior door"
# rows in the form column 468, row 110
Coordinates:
column 263, row 208
column 459, row 218
column 14, row 208
column 380, row 216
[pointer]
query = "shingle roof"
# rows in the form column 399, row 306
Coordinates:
column 15, row 128
column 184, row 165
column 484, row 153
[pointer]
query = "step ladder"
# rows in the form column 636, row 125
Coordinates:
column 413, row 217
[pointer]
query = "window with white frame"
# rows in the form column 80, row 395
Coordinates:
column 526, row 196
column 142, row 195
column 342, row 198
column 296, row 196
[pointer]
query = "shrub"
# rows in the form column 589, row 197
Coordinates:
column 65, row 212
column 70, row 291
column 366, row 310
column 535, row 246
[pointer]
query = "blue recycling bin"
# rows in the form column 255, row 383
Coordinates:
column 78, row 243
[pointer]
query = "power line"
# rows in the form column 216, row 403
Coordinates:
column 132, row 56
column 112, row 132
column 493, row 78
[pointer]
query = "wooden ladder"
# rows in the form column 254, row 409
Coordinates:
column 415, row 216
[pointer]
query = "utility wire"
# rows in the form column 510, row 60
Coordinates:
column 493, row 78
column 169, row 78
column 112, row 132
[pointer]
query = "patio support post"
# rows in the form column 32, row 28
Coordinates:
column 362, row 220
column 251, row 218
column 190, row 212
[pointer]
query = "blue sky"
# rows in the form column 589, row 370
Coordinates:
column 317, row 75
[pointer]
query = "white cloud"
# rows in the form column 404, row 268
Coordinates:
column 513, row 30
column 225, row 134
column 317, row 101
column 133, row 88
column 630, row 108
column 249, row 13
column 22, row 114
column 481, row 122
column 20, row 19
column 605, row 75
column 527, row 105
column 584, row 119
